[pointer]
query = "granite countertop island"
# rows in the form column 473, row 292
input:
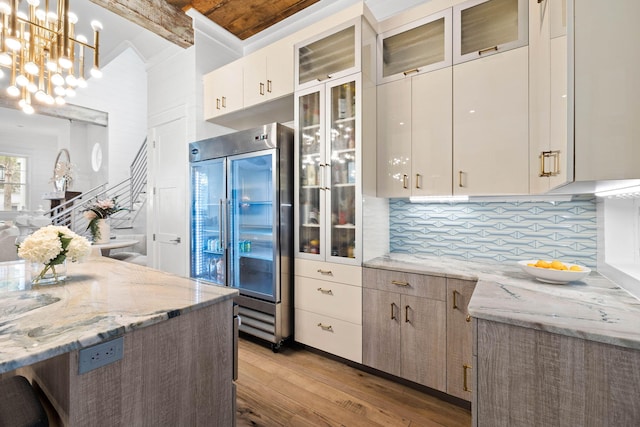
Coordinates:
column 595, row 308
column 102, row 298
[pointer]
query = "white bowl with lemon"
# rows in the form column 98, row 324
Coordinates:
column 554, row 272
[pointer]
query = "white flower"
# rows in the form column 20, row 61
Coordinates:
column 46, row 244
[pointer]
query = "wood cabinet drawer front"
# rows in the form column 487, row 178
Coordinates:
column 328, row 334
column 337, row 300
column 418, row 285
column 330, row 272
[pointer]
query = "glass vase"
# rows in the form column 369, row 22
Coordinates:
column 46, row 274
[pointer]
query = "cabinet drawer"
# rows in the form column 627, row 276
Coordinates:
column 328, row 334
column 418, row 285
column 329, row 272
column 337, row 300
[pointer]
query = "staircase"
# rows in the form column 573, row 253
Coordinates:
column 129, row 194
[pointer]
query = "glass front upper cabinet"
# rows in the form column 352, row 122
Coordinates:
column 487, row 27
column 415, row 48
column 330, row 55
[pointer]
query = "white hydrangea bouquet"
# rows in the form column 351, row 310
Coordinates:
column 52, row 246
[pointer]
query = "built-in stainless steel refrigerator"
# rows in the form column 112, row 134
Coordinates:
column 241, row 223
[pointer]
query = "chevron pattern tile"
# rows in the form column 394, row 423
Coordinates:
column 496, row 231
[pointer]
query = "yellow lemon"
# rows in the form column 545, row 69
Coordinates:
column 542, row 264
column 575, row 268
column 531, row 265
column 557, row 265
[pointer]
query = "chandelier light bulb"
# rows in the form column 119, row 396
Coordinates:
column 1, row 74
column 51, row 65
column 49, row 100
column 71, row 80
column 41, row 96
column 5, row 59
column 57, row 79
column 12, row 43
column 95, row 72
column 96, row 25
column 13, row 91
column 22, row 15
column 70, row 92
column 35, row 3
column 82, row 39
column 60, row 100
column 82, row 83
column 32, row 68
column 28, row 109
column 59, row 90
column 52, row 17
column 73, row 18
column 22, row 81
column 32, row 87
column 41, row 14
column 65, row 62
column 21, row 103
column 5, row 8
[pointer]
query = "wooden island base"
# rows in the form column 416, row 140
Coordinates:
column 176, row 372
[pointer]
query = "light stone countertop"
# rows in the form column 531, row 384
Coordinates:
column 595, row 308
column 102, row 298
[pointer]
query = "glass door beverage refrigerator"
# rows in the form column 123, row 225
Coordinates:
column 241, row 224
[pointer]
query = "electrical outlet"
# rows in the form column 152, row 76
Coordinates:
column 100, row 355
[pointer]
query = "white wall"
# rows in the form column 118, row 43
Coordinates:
column 122, row 93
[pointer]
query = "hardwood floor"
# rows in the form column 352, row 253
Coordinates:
column 296, row 387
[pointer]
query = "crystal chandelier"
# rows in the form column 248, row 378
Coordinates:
column 44, row 59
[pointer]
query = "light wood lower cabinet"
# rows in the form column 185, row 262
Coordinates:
column 404, row 325
column 527, row 377
column 459, row 338
column 328, row 307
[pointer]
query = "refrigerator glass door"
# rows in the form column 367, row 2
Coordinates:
column 207, row 222
column 253, row 219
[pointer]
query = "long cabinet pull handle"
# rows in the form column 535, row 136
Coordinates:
column 406, row 314
column 460, row 179
column 399, row 283
column 269, row 86
column 325, row 327
column 465, row 384
column 224, row 102
column 393, row 315
column 418, row 176
column 217, row 103
column 325, row 272
column 543, row 155
column 261, row 88
column 455, row 299
column 556, row 162
column 489, row 49
column 405, row 181
column 325, row 291
column 321, row 172
column 415, row 70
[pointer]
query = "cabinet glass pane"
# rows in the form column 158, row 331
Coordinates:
column 327, row 56
column 343, row 170
column 309, row 167
column 415, row 48
column 489, row 24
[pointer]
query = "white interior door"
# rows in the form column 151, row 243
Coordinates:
column 169, row 224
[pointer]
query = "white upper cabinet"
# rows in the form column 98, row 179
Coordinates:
column 486, row 27
column 491, row 125
column 223, row 90
column 268, row 74
column 414, row 48
column 330, row 55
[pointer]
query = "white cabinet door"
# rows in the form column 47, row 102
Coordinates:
column 491, row 125
column 255, row 78
column 431, row 133
column 280, row 70
column 223, row 90
column 394, row 139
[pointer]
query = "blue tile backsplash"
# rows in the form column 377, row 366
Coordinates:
column 496, row 231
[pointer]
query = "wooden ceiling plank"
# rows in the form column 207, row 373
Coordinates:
column 157, row 16
column 66, row 111
column 274, row 19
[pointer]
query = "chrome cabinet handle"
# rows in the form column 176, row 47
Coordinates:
column 217, row 103
column 261, row 88
column 176, row 240
column 325, row 272
column 325, row 291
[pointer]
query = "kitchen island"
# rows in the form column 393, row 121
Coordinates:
column 544, row 354
column 177, row 343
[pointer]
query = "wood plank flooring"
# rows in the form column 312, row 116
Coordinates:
column 297, row 387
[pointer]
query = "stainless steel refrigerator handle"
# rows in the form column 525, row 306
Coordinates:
column 220, row 226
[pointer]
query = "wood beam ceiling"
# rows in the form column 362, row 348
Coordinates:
column 157, row 16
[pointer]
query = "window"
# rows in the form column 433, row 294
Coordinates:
column 13, row 182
